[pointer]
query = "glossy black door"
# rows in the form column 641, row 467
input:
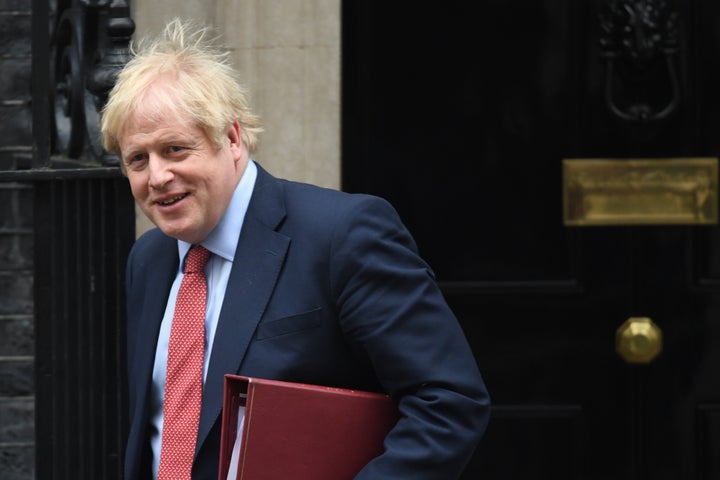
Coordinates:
column 461, row 115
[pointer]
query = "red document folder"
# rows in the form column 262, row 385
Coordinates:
column 299, row 431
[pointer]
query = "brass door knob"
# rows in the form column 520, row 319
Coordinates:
column 638, row 340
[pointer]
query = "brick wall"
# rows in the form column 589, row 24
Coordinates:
column 16, row 250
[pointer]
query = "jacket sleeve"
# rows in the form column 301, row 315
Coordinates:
column 392, row 311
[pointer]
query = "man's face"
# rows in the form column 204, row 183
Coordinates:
column 179, row 178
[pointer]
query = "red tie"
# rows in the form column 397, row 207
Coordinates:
column 184, row 380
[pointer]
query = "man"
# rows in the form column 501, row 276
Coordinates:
column 304, row 284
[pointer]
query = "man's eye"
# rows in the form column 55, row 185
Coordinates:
column 135, row 160
column 174, row 149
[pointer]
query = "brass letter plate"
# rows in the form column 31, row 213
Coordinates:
column 657, row 191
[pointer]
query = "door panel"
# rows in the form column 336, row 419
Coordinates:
column 461, row 116
column 444, row 121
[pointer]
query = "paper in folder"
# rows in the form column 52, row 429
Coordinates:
column 274, row 430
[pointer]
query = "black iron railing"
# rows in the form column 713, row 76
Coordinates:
column 83, row 227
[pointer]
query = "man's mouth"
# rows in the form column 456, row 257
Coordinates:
column 170, row 201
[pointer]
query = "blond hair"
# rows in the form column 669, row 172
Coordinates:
column 198, row 82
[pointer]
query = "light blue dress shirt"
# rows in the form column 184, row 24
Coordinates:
column 221, row 242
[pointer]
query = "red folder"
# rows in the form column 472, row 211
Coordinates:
column 294, row 430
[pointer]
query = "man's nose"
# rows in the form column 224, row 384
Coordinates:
column 160, row 171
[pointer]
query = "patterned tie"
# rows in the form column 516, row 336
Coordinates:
column 184, row 381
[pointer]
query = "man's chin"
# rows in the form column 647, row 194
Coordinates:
column 172, row 229
column 186, row 234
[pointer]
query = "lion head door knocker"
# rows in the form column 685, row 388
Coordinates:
column 639, row 44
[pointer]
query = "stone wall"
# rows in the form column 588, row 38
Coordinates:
column 16, row 247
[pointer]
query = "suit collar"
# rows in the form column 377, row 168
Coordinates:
column 158, row 266
column 160, row 274
column 259, row 256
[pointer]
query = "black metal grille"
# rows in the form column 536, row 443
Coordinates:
column 83, row 218
column 82, row 237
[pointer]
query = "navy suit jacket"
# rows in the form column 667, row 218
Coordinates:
column 326, row 288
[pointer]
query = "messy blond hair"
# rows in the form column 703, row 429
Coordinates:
column 198, row 82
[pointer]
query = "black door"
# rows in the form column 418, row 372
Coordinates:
column 461, row 114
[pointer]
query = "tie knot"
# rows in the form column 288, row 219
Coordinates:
column 196, row 259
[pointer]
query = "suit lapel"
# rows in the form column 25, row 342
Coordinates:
column 158, row 275
column 159, row 280
column 258, row 259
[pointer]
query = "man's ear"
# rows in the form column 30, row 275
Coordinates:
column 236, row 142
